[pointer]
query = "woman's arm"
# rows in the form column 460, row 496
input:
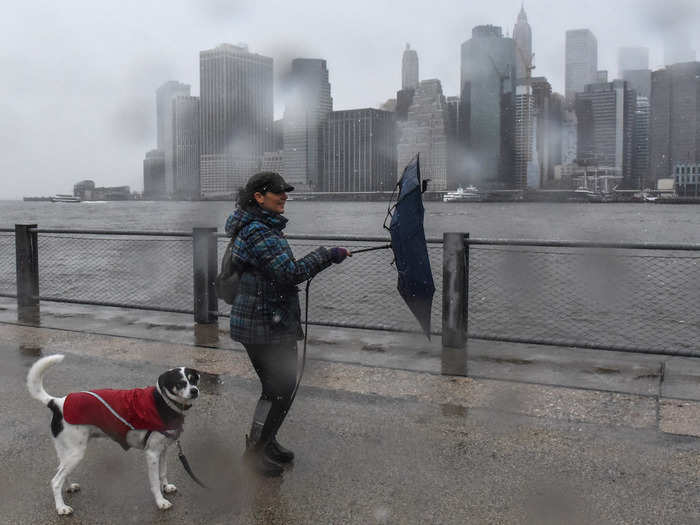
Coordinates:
column 273, row 254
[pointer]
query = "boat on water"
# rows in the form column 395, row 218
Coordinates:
column 583, row 194
column 65, row 198
column 468, row 194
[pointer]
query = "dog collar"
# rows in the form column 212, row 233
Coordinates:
column 172, row 404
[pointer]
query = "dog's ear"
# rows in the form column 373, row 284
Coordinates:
column 192, row 376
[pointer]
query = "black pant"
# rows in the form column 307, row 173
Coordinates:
column 276, row 366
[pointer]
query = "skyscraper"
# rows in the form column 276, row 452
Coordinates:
column 425, row 131
column 186, row 136
column 640, row 144
column 639, row 80
column 409, row 69
column 488, row 108
column 308, row 104
column 525, row 157
column 236, row 108
column 165, row 95
column 359, row 151
column 581, row 61
column 154, row 175
column 674, row 127
column 522, row 34
column 606, row 114
column 632, row 58
column 546, row 128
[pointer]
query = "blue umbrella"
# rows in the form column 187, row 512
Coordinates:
column 415, row 279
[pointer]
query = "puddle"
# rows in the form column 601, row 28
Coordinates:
column 373, row 348
column 448, row 409
column 506, row 360
column 30, row 350
column 210, row 383
column 605, row 371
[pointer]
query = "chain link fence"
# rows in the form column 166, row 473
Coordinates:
column 574, row 295
column 361, row 292
column 644, row 299
column 153, row 272
column 8, row 275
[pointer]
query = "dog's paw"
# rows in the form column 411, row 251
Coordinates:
column 73, row 487
column 164, row 504
column 64, row 510
column 169, row 488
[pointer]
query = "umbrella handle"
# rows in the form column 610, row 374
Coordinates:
column 383, row 247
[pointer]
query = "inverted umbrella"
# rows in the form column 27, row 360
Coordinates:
column 415, row 278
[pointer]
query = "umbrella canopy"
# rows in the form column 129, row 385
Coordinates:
column 415, row 280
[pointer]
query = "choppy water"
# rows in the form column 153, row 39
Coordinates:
column 629, row 222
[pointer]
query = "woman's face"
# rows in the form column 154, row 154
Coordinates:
column 269, row 201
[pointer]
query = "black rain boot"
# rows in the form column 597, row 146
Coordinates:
column 256, row 459
column 277, row 452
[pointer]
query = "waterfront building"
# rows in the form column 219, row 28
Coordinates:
column 687, row 179
column 273, row 161
column 236, row 115
column 554, row 134
column 308, row 104
column 639, row 80
column 278, row 135
column 569, row 136
column 581, row 61
column 84, row 189
column 605, row 114
column 488, row 108
column 525, row 158
column 640, row 144
column 409, row 69
column 186, row 135
column 359, row 153
column 153, row 175
column 165, row 95
column 522, row 35
column 547, row 128
column 424, row 132
column 629, row 58
column 674, row 118
column 454, row 126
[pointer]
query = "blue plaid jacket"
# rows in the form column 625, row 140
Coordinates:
column 266, row 309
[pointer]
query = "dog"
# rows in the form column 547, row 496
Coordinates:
column 149, row 419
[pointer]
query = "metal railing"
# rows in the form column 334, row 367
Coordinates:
column 614, row 296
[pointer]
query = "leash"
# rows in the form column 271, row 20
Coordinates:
column 186, row 464
column 300, row 367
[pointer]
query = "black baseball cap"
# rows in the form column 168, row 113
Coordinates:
column 268, row 181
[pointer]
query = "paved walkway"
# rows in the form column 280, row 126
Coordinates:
column 533, row 434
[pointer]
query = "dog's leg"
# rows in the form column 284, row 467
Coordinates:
column 168, row 488
column 153, row 451
column 70, row 447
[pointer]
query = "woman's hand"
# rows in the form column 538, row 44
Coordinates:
column 339, row 254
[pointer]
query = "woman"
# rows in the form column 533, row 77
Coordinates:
column 265, row 315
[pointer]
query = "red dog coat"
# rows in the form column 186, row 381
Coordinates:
column 128, row 410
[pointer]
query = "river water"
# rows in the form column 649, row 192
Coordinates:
column 624, row 222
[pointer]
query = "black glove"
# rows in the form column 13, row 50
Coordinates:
column 338, row 254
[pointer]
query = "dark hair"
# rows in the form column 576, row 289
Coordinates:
column 246, row 200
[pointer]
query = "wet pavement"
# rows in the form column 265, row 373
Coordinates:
column 531, row 435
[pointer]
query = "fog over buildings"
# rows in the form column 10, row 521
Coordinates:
column 79, row 102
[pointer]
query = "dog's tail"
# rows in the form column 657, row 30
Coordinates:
column 35, row 377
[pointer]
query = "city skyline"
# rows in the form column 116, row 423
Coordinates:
column 102, row 104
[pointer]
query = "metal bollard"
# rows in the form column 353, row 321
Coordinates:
column 27, row 252
column 204, row 252
column 454, row 290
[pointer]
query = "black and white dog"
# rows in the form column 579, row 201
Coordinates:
column 145, row 418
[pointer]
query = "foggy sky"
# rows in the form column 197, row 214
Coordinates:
column 77, row 97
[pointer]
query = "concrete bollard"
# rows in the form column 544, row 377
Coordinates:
column 205, row 261
column 27, row 265
column 455, row 279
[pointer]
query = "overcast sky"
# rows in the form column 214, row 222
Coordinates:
column 77, row 96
